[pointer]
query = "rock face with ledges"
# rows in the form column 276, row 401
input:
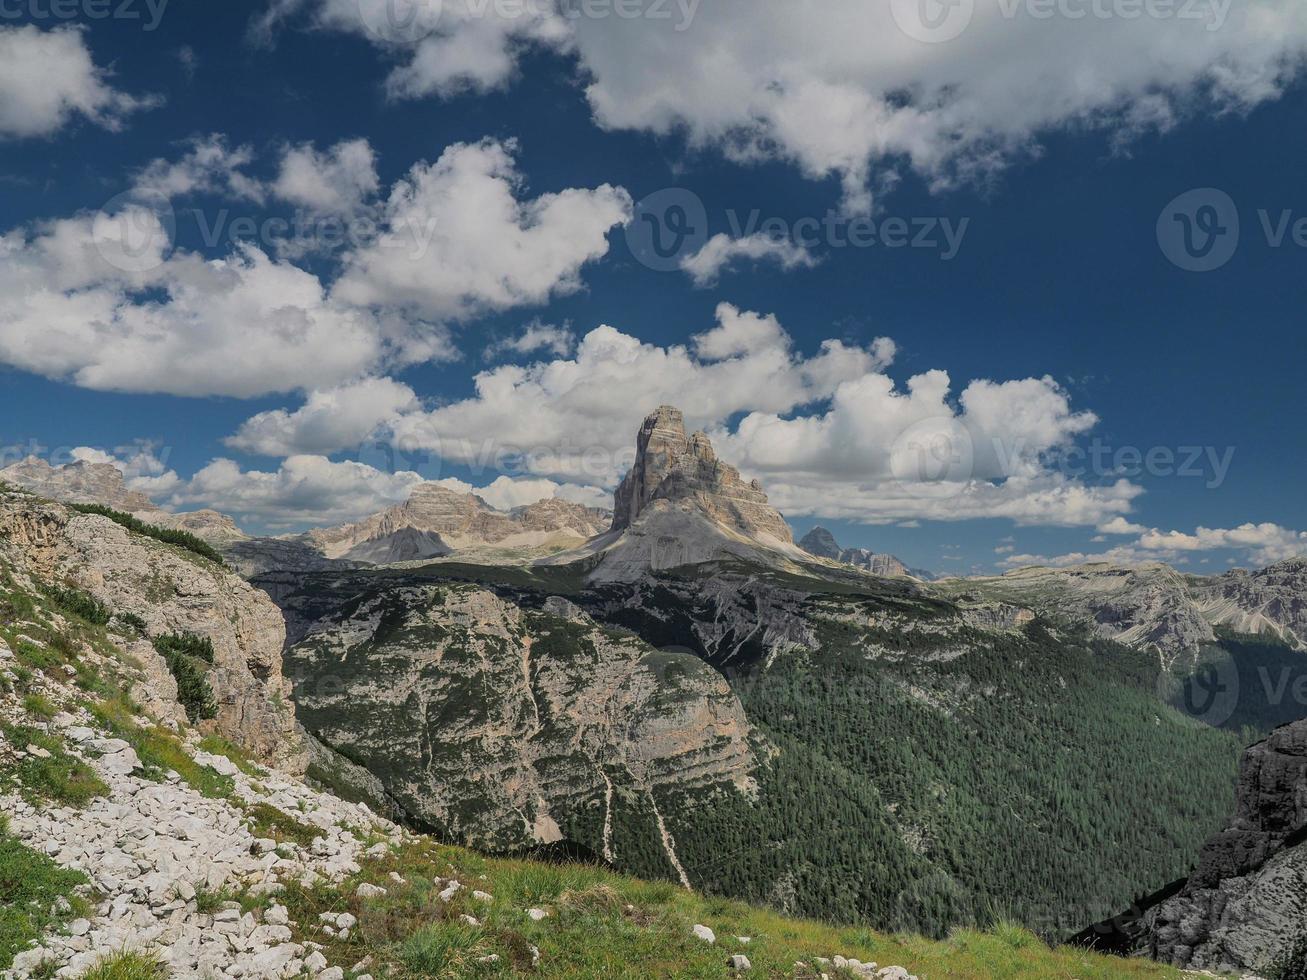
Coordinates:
column 172, row 591
column 1246, row 901
column 503, row 727
column 679, row 506
column 1272, row 600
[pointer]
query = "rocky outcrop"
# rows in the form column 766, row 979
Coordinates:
column 506, row 728
column 406, row 544
column 1246, row 902
column 78, row 483
column 171, row 591
column 672, row 466
column 820, row 543
column 104, row 484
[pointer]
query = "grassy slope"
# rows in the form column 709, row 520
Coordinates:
column 606, row 925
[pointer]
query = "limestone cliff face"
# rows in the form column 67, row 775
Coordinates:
column 101, row 483
column 78, row 483
column 463, row 520
column 172, row 591
column 504, row 727
column 672, row 466
column 1246, row 902
column 1272, row 600
column 1147, row 606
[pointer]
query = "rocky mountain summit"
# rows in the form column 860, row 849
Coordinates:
column 821, row 543
column 671, row 466
column 680, row 505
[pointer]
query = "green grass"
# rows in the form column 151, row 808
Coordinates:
column 217, row 745
column 39, row 706
column 159, row 750
column 279, row 825
column 60, row 777
column 606, row 925
column 126, row 966
column 30, row 886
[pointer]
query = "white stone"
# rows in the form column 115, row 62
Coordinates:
column 704, row 933
column 368, row 890
column 739, row 962
column 537, row 914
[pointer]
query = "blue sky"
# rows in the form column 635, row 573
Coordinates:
column 1060, row 292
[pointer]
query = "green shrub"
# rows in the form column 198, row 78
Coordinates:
column 182, row 539
column 188, row 657
column 78, row 603
column 131, row 621
column 185, row 645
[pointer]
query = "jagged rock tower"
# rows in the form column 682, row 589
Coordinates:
column 669, row 465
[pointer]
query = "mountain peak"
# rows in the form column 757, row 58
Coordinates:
column 820, row 542
column 684, row 469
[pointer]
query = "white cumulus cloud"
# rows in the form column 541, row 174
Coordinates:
column 460, row 239
column 48, row 78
